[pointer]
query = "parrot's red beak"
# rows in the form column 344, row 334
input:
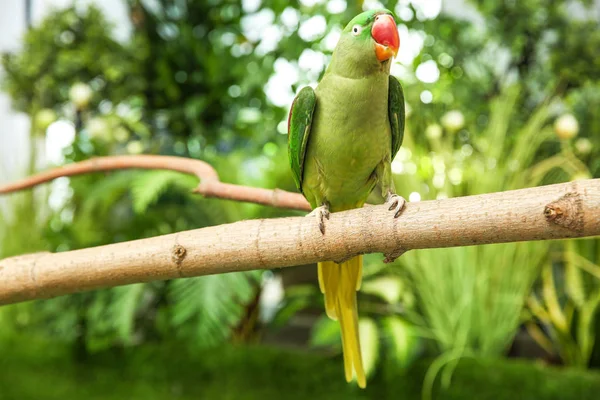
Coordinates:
column 385, row 33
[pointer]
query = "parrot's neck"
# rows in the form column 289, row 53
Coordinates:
column 356, row 61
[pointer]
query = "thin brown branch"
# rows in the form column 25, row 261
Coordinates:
column 547, row 212
column 210, row 185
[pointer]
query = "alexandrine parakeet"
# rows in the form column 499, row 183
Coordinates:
column 342, row 137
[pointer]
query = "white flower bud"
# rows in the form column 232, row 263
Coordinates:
column 135, row 147
column 566, row 127
column 121, row 134
column 97, row 128
column 80, row 94
column 453, row 120
column 433, row 131
column 583, row 146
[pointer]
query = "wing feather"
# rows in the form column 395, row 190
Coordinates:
column 396, row 113
column 299, row 124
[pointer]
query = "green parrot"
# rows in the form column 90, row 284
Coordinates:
column 342, row 137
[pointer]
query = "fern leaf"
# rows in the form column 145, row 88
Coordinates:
column 208, row 307
column 123, row 308
column 149, row 186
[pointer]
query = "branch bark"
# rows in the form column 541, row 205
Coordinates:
column 549, row 212
column 209, row 186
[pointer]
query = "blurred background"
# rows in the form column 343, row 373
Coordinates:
column 500, row 95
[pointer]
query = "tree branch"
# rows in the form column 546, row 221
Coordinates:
column 210, row 185
column 549, row 212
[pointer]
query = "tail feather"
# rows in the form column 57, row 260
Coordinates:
column 359, row 274
column 347, row 342
column 321, row 278
column 329, row 277
column 339, row 283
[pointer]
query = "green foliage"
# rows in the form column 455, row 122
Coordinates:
column 566, row 306
column 148, row 187
column 326, row 332
column 21, row 218
column 120, row 312
column 583, row 102
column 70, row 46
column 468, row 304
column 95, row 321
column 404, row 341
column 251, row 373
column 207, row 308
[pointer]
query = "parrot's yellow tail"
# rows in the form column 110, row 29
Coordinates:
column 339, row 283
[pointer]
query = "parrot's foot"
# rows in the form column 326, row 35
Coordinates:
column 396, row 203
column 321, row 213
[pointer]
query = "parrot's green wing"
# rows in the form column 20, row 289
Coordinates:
column 396, row 113
column 299, row 123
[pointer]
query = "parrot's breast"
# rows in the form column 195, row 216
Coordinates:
column 349, row 138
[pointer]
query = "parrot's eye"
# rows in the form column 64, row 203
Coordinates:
column 356, row 30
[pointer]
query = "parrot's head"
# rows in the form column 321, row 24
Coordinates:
column 367, row 44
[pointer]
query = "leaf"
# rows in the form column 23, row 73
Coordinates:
column 123, row 308
column 532, row 135
column 550, row 294
column 297, row 298
column 447, row 359
column 540, row 337
column 208, row 307
column 369, row 344
column 585, row 264
column 585, row 332
column 403, row 338
column 326, row 332
column 389, row 288
column 501, row 110
column 111, row 314
column 148, row 187
column 104, row 193
column 573, row 278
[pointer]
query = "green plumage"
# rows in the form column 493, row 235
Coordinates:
column 299, row 124
column 344, row 135
column 342, row 138
column 396, row 111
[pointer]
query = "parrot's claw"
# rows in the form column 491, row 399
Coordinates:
column 321, row 213
column 396, row 203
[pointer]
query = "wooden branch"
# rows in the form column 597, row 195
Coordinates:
column 210, row 185
column 549, row 212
